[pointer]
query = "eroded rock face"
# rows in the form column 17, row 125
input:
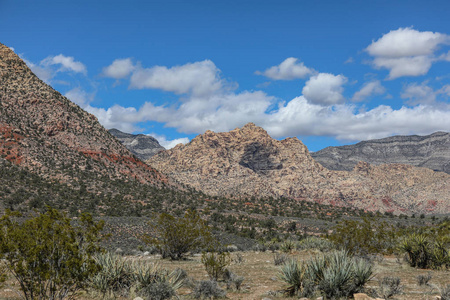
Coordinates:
column 141, row 145
column 431, row 151
column 45, row 132
column 247, row 161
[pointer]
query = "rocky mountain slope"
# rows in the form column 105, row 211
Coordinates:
column 43, row 133
column 141, row 145
column 247, row 162
column 431, row 151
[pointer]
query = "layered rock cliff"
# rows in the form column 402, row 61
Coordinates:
column 141, row 145
column 248, row 162
column 431, row 151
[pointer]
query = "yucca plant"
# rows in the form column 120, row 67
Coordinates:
column 116, row 276
column 293, row 272
column 287, row 246
column 335, row 275
column 313, row 242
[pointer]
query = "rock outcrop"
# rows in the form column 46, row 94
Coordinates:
column 247, row 161
column 141, row 145
column 431, row 151
column 43, row 131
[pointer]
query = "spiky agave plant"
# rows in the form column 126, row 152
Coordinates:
column 293, row 272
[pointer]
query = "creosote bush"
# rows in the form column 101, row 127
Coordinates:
column 48, row 256
column 334, row 275
column 177, row 236
column 216, row 264
column 390, row 286
column 208, row 289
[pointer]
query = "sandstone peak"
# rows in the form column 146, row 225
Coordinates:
column 248, row 162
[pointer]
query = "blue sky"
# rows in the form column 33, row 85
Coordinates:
column 328, row 72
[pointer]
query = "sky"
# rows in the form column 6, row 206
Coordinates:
column 328, row 72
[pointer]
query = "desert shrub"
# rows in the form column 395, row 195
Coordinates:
column 216, row 264
column 390, row 286
column 424, row 279
column 280, row 258
column 157, row 284
column 445, row 292
column 177, row 236
column 49, row 257
column 233, row 280
column 365, row 236
column 334, row 275
column 313, row 242
column 423, row 253
column 238, row 259
column 287, row 246
column 208, row 289
column 116, row 276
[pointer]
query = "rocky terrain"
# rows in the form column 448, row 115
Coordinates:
column 141, row 145
column 431, row 151
column 45, row 134
column 248, row 162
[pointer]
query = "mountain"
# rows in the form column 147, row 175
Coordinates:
column 141, row 145
column 248, row 162
column 431, row 151
column 74, row 160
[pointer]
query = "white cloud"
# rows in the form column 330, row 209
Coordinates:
column 45, row 69
column 80, row 97
column 418, row 94
column 369, row 89
column 67, row 63
column 324, row 89
column 199, row 78
column 45, row 74
column 169, row 144
column 120, row 68
column 320, row 111
column 299, row 117
column 406, row 51
column 289, row 69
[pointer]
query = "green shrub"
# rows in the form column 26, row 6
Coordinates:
column 208, row 289
column 49, row 257
column 177, row 236
column 365, row 236
column 287, row 246
column 233, row 280
column 216, row 264
column 313, row 242
column 334, row 275
column 423, row 253
column 424, row 279
column 390, row 286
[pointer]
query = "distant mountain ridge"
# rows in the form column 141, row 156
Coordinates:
column 430, row 151
column 248, row 162
column 141, row 145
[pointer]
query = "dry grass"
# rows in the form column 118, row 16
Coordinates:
column 261, row 276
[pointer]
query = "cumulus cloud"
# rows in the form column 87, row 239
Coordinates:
column 120, row 68
column 46, row 70
column 289, row 69
column 325, row 89
column 299, row 117
column 67, row 63
column 406, row 51
column 169, row 144
column 369, row 89
column 198, row 78
column 320, row 111
column 418, row 93
column 80, row 97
